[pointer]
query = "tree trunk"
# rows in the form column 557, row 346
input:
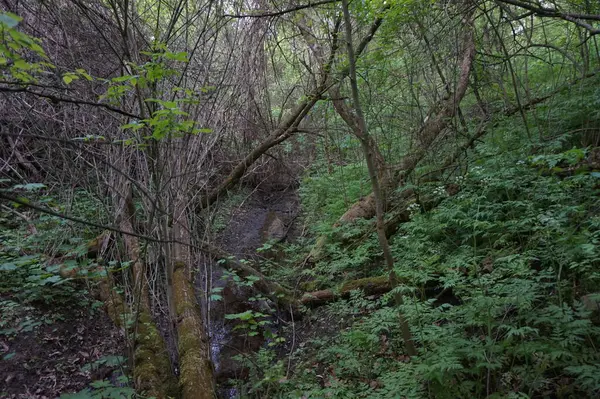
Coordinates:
column 359, row 128
column 365, row 208
column 152, row 366
column 370, row 286
column 196, row 379
column 285, row 130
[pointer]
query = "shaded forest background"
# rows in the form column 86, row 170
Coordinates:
column 267, row 199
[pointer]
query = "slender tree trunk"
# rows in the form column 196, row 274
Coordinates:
column 360, row 130
column 428, row 133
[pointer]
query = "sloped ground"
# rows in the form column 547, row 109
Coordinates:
column 58, row 356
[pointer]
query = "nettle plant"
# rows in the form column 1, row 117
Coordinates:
column 251, row 322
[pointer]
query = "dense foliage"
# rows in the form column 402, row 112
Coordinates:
column 437, row 228
column 500, row 278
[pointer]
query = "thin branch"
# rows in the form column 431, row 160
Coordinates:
column 57, row 99
column 282, row 12
column 576, row 18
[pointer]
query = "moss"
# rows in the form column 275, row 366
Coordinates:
column 179, row 265
column 193, row 361
column 369, row 284
column 196, row 374
column 309, row 286
column 152, row 372
column 319, row 283
column 182, row 307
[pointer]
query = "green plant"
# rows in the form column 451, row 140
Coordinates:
column 105, row 390
column 495, row 280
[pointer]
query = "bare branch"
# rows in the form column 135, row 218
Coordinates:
column 282, row 12
column 576, row 18
column 57, row 99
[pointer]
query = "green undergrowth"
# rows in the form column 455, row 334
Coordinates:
column 35, row 247
column 326, row 196
column 500, row 279
column 35, row 299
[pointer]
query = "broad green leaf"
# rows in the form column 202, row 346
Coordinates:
column 7, row 267
column 9, row 19
column 30, row 186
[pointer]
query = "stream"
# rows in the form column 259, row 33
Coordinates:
column 264, row 215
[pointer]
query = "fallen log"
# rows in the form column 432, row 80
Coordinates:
column 378, row 285
column 152, row 366
column 196, row 379
column 369, row 285
column 196, row 370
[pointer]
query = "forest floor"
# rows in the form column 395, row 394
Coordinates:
column 61, row 354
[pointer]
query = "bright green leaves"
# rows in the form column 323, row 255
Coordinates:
column 168, row 121
column 9, row 20
column 69, row 77
column 16, row 50
column 180, row 56
column 168, row 118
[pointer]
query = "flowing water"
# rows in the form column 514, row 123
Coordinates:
column 246, row 231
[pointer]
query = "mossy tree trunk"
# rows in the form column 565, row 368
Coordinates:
column 196, row 371
column 152, row 366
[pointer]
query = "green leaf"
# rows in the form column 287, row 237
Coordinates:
column 9, row 356
column 83, row 73
column 133, row 126
column 244, row 316
column 9, row 19
column 181, row 56
column 100, row 384
column 52, row 279
column 7, row 267
column 125, row 78
column 30, row 186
